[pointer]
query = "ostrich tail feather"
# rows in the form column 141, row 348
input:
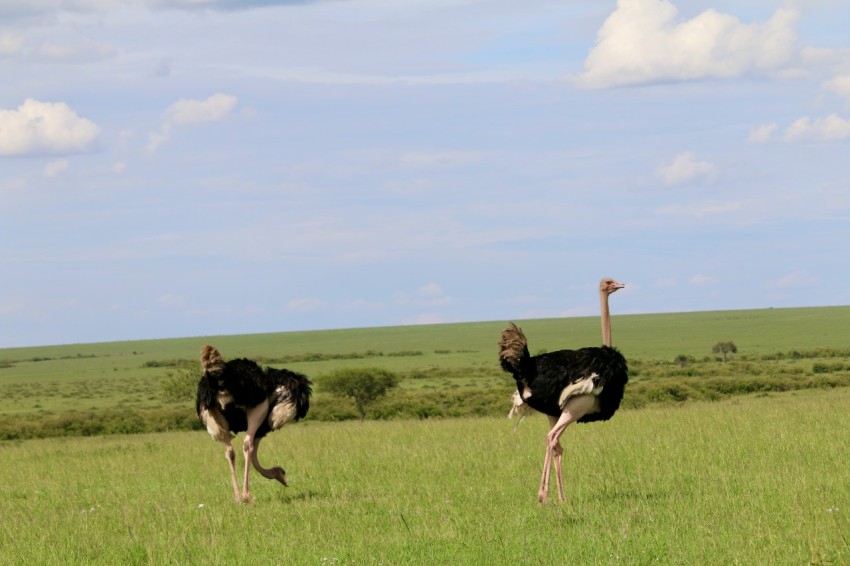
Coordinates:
column 211, row 359
column 513, row 348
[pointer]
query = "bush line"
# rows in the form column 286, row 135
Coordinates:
column 441, row 403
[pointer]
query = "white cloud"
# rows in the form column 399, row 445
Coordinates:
column 45, row 128
column 430, row 290
column 763, row 133
column 830, row 128
column 53, row 168
column 685, row 167
column 186, row 112
column 156, row 139
column 700, row 280
column 645, row 41
column 840, row 85
column 797, row 278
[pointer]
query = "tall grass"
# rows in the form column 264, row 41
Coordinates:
column 752, row 480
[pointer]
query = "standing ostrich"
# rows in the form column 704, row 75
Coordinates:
column 583, row 385
column 238, row 396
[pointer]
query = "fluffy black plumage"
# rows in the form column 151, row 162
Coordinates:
column 243, row 383
column 547, row 375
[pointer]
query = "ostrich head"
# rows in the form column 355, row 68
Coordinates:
column 608, row 286
column 279, row 474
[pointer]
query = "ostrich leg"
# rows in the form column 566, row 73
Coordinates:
column 256, row 416
column 555, row 457
column 574, row 409
column 230, row 456
column 275, row 473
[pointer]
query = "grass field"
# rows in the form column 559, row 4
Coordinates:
column 744, row 479
column 752, row 480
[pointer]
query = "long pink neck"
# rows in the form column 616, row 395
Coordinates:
column 606, row 318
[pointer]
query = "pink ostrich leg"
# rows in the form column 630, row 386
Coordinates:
column 256, row 415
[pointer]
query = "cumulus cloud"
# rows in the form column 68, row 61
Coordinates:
column 186, row 112
column 212, row 109
column 763, row 133
column 830, row 128
column 685, row 167
column 646, row 41
column 38, row 128
column 839, row 85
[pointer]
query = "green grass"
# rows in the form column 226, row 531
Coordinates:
column 749, row 480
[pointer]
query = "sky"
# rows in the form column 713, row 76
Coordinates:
column 178, row 168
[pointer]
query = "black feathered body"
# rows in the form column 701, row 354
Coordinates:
column 242, row 384
column 543, row 379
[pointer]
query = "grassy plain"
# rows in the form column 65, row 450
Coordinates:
column 129, row 374
column 750, row 480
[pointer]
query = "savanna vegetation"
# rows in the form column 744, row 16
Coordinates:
column 743, row 462
column 441, row 370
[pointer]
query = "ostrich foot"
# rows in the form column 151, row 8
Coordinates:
column 246, row 498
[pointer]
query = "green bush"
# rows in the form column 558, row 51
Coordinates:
column 180, row 385
column 362, row 385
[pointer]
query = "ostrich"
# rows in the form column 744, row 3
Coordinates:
column 238, row 396
column 583, row 385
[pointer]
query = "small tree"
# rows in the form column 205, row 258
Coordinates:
column 682, row 360
column 363, row 385
column 724, row 349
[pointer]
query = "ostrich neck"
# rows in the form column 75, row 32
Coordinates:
column 606, row 319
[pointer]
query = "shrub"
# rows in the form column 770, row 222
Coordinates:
column 362, row 385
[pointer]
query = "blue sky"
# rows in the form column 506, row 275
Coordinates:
column 185, row 168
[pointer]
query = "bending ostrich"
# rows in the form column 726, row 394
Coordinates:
column 583, row 385
column 239, row 396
